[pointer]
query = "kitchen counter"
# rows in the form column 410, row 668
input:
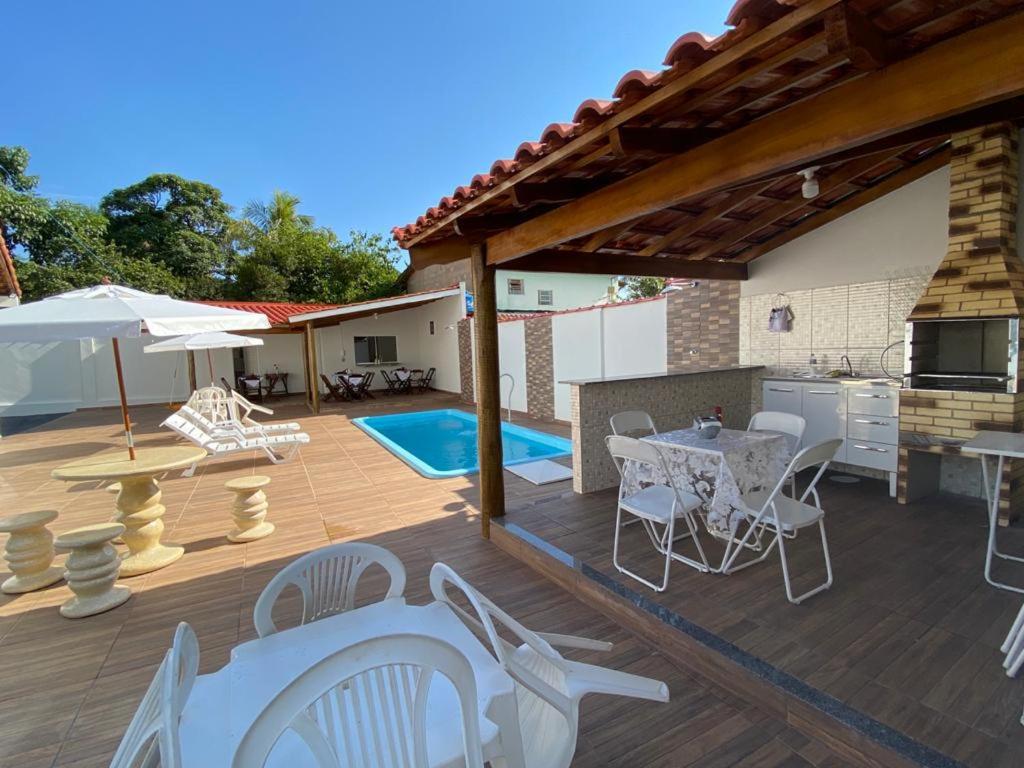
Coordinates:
column 879, row 380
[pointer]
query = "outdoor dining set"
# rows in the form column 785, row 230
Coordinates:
column 355, row 385
column 383, row 684
column 729, row 485
column 274, row 384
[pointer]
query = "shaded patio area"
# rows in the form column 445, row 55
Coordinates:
column 908, row 635
column 69, row 688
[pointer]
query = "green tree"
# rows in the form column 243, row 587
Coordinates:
column 64, row 245
column 283, row 255
column 179, row 223
column 641, row 287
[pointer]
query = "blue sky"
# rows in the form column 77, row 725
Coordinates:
column 369, row 112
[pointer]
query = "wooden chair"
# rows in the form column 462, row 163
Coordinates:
column 364, row 386
column 335, row 392
column 327, row 579
column 227, row 387
column 251, row 388
column 350, row 389
column 425, row 381
column 366, row 706
column 392, row 384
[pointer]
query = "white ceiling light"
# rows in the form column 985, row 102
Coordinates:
column 809, row 189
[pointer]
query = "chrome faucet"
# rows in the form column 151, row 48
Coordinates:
column 849, row 365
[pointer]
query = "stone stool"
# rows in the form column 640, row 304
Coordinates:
column 250, row 510
column 29, row 552
column 93, row 566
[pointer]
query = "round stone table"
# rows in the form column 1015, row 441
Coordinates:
column 138, row 502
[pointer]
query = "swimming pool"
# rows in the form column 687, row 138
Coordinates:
column 442, row 443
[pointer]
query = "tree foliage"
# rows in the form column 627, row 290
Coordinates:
column 173, row 235
column 641, row 287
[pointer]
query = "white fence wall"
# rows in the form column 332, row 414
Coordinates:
column 577, row 353
column 512, row 353
column 635, row 338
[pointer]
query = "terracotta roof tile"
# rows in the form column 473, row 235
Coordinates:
column 277, row 312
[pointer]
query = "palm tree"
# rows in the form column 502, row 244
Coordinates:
column 281, row 211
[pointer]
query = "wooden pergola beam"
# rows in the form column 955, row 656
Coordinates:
column 850, row 204
column 849, row 32
column 578, row 262
column 789, row 24
column 978, row 68
column 555, row 191
column 600, row 239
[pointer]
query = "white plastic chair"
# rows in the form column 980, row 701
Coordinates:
column 633, row 424
column 781, row 516
column 152, row 739
column 227, row 426
column 211, row 401
column 226, row 440
column 327, row 579
column 241, row 410
column 365, row 707
column 549, row 687
column 654, row 505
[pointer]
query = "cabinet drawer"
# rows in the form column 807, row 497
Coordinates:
column 781, row 396
column 873, row 401
column 876, row 429
column 862, row 453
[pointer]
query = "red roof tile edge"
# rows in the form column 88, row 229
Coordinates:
column 511, row 317
column 687, row 52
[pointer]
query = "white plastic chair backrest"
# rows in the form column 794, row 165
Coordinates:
column 366, row 706
column 327, row 579
column 778, row 421
column 240, row 408
column 628, row 449
column 632, row 422
column 547, row 680
column 187, row 429
column 813, row 456
column 212, row 402
column 151, row 740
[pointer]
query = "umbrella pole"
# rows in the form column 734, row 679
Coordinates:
column 209, row 362
column 124, row 401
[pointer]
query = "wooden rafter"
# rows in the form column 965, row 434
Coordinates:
column 849, row 32
column 849, row 204
column 692, row 226
column 600, row 239
column 973, row 70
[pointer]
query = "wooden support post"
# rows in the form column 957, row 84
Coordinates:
column 191, row 357
column 312, row 369
column 488, row 393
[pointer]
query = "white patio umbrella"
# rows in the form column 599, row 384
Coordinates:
column 115, row 312
column 208, row 341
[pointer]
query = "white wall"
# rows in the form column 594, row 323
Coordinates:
column 903, row 234
column 283, row 350
column 635, row 338
column 512, row 355
column 568, row 291
column 577, row 353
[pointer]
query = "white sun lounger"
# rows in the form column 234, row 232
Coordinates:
column 278, row 448
column 230, row 427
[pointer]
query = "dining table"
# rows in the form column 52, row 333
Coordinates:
column 225, row 704
column 274, row 379
column 718, row 470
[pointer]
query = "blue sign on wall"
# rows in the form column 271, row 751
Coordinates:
column 469, row 303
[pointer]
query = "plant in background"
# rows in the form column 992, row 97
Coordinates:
column 640, row 287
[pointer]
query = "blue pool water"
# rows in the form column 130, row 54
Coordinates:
column 443, row 443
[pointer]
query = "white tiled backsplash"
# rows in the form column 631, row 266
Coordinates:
column 859, row 320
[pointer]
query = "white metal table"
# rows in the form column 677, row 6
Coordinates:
column 1002, row 446
column 225, row 704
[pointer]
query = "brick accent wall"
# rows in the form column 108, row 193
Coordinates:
column 540, row 370
column 982, row 275
column 466, row 359
column 439, row 276
column 702, row 326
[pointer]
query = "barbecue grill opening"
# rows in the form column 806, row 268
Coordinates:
column 966, row 355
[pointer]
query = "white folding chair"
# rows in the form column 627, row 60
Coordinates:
column 152, row 739
column 327, row 579
column 366, row 707
column 549, row 687
column 788, row 424
column 1013, row 646
column 781, row 516
column 632, row 424
column 656, row 505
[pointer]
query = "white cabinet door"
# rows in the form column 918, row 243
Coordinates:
column 781, row 396
column 824, row 409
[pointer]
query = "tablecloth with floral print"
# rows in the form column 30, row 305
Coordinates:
column 719, row 470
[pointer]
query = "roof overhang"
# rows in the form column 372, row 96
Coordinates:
column 374, row 307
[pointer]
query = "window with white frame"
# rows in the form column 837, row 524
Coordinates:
column 545, row 298
column 374, row 350
column 516, row 287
